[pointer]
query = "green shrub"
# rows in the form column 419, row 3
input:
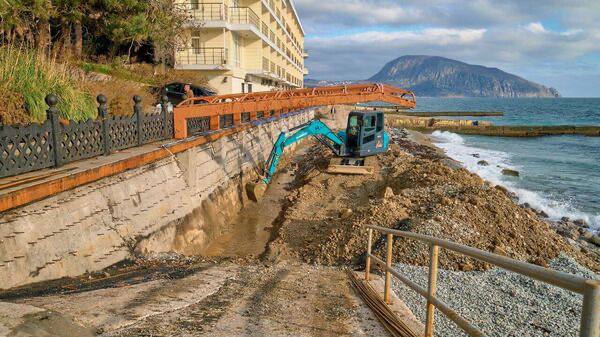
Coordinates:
column 28, row 76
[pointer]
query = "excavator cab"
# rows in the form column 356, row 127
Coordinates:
column 365, row 135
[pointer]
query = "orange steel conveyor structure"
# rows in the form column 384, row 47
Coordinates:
column 274, row 103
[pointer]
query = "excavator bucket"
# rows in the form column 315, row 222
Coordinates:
column 358, row 166
column 256, row 190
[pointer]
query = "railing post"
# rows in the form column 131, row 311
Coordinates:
column 388, row 264
column 368, row 263
column 52, row 114
column 431, row 289
column 164, row 108
column 590, row 315
column 103, row 115
column 139, row 118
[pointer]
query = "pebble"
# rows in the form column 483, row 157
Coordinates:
column 498, row 301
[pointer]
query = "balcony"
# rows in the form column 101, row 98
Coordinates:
column 202, row 58
column 205, row 11
column 244, row 15
column 218, row 15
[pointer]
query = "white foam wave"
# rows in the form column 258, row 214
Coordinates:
column 455, row 147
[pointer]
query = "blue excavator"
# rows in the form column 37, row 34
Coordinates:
column 364, row 137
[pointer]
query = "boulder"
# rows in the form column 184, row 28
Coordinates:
column 581, row 223
column 509, row 172
column 388, row 193
column 595, row 239
column 346, row 213
column 483, row 163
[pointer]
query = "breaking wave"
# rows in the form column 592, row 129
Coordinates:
column 456, row 148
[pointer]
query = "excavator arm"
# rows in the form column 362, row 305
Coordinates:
column 314, row 128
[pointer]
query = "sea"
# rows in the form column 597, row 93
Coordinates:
column 559, row 175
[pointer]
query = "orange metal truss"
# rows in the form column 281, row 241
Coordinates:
column 274, row 103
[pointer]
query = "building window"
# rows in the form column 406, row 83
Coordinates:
column 195, row 4
column 249, row 87
column 196, row 42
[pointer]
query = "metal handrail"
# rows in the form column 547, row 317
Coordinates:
column 241, row 15
column 202, row 56
column 207, row 11
column 590, row 289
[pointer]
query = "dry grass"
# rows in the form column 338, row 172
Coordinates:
column 27, row 76
column 120, row 94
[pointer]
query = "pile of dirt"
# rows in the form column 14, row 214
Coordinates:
column 418, row 190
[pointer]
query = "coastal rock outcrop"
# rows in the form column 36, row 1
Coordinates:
column 438, row 76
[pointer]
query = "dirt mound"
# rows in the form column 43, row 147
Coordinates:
column 415, row 190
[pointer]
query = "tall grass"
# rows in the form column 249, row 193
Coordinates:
column 27, row 76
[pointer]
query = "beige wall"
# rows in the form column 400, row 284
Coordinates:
column 277, row 47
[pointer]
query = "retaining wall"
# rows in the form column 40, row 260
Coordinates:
column 174, row 204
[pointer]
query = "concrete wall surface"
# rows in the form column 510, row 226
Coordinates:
column 175, row 204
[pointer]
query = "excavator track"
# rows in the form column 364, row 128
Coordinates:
column 352, row 166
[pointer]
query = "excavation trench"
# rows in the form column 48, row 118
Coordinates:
column 256, row 224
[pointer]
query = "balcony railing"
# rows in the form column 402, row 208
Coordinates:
column 202, row 56
column 244, row 15
column 266, row 64
column 205, row 11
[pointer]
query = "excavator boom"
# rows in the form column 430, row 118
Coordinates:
column 313, row 128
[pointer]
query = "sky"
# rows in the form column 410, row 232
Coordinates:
column 551, row 42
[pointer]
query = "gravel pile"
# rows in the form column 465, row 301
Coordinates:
column 500, row 303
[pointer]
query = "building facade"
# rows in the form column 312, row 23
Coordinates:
column 243, row 46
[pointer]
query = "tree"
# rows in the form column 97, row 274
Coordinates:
column 165, row 25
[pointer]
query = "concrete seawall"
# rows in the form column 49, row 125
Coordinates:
column 174, row 204
column 485, row 128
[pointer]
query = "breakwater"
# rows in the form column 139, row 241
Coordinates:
column 484, row 128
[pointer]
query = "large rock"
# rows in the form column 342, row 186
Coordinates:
column 595, row 240
column 509, row 172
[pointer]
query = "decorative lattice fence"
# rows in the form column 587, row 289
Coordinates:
column 55, row 142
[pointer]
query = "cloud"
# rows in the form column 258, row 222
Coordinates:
column 352, row 39
column 536, row 27
column 435, row 36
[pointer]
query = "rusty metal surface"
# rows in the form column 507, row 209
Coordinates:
column 274, row 103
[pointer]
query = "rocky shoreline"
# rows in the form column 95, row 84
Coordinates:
column 577, row 232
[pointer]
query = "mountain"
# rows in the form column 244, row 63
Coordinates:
column 439, row 76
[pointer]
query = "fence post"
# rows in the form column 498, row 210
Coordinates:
column 164, row 108
column 139, row 117
column 368, row 264
column 431, row 289
column 103, row 114
column 590, row 316
column 388, row 264
column 52, row 114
